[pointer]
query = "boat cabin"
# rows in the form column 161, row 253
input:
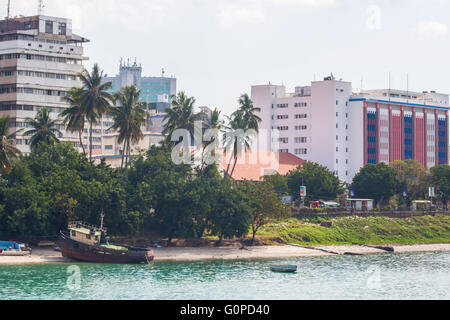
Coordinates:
column 85, row 233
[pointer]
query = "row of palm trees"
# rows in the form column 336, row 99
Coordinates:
column 182, row 116
column 90, row 102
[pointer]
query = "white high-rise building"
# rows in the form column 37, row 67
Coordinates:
column 40, row 58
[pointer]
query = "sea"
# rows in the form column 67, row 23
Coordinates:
column 390, row 276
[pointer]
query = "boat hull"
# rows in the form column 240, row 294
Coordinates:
column 283, row 268
column 78, row 251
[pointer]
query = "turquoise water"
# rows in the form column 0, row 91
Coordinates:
column 384, row 276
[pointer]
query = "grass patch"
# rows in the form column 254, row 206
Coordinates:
column 358, row 230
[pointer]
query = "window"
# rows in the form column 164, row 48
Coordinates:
column 301, row 105
column 48, row 26
column 282, row 117
column 283, row 150
column 108, row 147
column 88, row 237
column 298, row 128
column 301, row 151
column 283, row 140
column 74, row 233
column 301, row 116
column 301, row 140
column 337, row 102
column 282, row 106
column 62, row 29
column 283, row 128
column 28, row 25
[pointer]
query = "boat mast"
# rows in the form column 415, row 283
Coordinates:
column 101, row 220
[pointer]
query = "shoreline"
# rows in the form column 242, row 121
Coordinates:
column 190, row 254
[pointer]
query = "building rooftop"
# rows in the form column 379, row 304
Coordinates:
column 255, row 165
column 41, row 26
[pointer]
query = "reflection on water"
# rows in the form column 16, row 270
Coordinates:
column 384, row 276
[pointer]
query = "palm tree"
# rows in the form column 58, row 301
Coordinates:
column 94, row 98
column 243, row 119
column 8, row 151
column 129, row 115
column 74, row 118
column 233, row 141
column 44, row 129
column 248, row 112
column 210, row 121
column 181, row 115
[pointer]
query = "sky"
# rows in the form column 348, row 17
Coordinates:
column 218, row 49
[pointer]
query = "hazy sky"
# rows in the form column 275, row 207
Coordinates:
column 218, row 48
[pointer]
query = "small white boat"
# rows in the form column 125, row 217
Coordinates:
column 283, row 268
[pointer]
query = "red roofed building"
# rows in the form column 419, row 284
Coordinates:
column 255, row 165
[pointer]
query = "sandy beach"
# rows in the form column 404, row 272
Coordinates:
column 45, row 256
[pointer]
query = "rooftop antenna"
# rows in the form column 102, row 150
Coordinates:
column 40, row 7
column 389, row 91
column 407, row 88
column 8, row 15
column 163, row 72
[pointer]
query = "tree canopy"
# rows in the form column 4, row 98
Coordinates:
column 376, row 181
column 320, row 182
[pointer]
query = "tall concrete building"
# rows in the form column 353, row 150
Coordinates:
column 40, row 58
column 157, row 91
column 327, row 123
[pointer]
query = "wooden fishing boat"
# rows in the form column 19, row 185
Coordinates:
column 89, row 243
column 283, row 268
